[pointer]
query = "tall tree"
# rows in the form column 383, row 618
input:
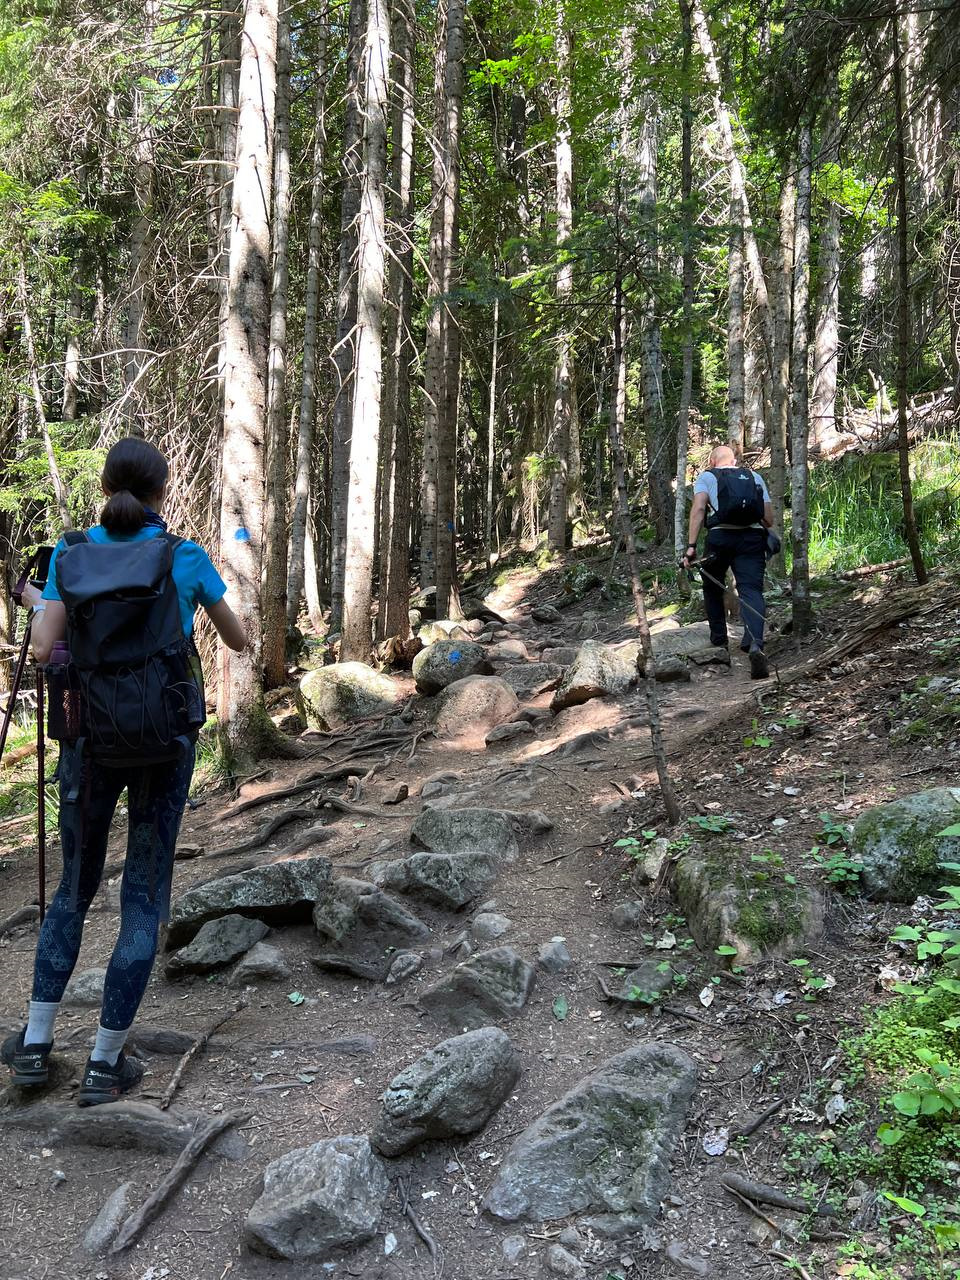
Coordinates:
column 246, row 359
column 826, row 328
column 799, row 423
column 365, row 427
column 688, row 275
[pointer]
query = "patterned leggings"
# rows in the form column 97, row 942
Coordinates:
column 156, row 795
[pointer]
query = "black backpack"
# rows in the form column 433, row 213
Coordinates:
column 132, row 692
column 739, row 498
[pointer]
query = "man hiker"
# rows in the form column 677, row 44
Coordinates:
column 734, row 504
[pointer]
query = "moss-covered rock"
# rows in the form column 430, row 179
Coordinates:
column 334, row 696
column 900, row 848
column 756, row 912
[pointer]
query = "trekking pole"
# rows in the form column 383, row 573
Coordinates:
column 14, row 690
column 710, row 578
column 41, row 802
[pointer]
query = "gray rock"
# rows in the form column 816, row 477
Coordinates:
column 85, row 989
column 554, row 957
column 490, row 985
column 561, row 655
column 562, row 1263
column 472, row 706
column 597, row 670
column 604, row 1146
column 681, row 642
column 511, row 650
column 331, row 697
column 450, row 1091
column 361, row 927
column 488, row 926
column 900, row 847
column 669, row 669
column 439, row 783
column 404, row 966
column 532, row 678
column 725, row 905
column 647, row 981
column 535, row 715
column 627, row 916
column 469, row 830
column 509, row 732
column 217, row 944
column 570, row 1238
column 448, row 880
column 546, row 613
column 107, row 1223
column 676, row 1254
column 445, row 661
column 512, row 1248
column 277, row 893
column 261, row 961
column 317, row 1200
column 445, row 629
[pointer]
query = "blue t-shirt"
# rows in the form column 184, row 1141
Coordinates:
column 194, row 576
column 706, row 482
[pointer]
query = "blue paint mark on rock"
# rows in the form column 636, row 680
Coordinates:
column 454, row 655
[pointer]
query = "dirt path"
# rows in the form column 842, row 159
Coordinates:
column 829, row 752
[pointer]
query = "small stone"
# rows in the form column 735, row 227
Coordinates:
column 493, row 984
column 185, row 852
column 546, row 613
column 261, row 961
column 562, row 1263
column 217, row 944
column 627, row 916
column 512, row 1248
column 108, row 1221
column 611, row 807
column 554, row 956
column 670, row 669
column 85, row 989
column 569, row 1237
column 404, row 966
column 396, row 794
column 509, row 732
column 488, row 926
column 675, row 1253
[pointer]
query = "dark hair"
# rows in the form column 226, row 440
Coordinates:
column 134, row 472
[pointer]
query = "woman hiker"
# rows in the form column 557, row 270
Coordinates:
column 134, row 481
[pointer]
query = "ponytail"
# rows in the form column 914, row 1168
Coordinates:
column 133, row 473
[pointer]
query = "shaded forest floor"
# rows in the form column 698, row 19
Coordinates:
column 839, row 742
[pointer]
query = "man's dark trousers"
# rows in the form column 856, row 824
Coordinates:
column 741, row 550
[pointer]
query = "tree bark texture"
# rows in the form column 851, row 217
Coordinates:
column 799, row 418
column 344, row 349
column 780, row 414
column 826, row 327
column 246, row 359
column 688, row 275
column 736, row 337
column 394, row 614
column 307, row 418
column 277, row 442
column 491, row 438
column 357, row 638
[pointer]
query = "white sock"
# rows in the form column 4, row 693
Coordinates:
column 108, row 1045
column 40, row 1020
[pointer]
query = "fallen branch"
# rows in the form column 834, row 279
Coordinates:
column 866, row 570
column 17, row 754
column 194, row 1049
column 175, row 1179
column 24, row 915
column 771, row 1195
column 801, row 1271
column 746, row 1130
column 754, row 1209
column 310, row 783
column 411, row 1215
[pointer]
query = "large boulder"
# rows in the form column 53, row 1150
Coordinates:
column 469, row 707
column 469, row 830
column 900, row 847
column 450, row 1091
column 596, row 671
column 361, row 927
column 445, row 661
column 604, row 1148
column 277, row 893
column 490, row 985
column 532, row 678
column 217, row 944
column 317, row 1200
column 730, row 905
column 332, row 697
column 692, row 641
column 449, row 880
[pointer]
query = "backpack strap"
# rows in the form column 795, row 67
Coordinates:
column 73, row 537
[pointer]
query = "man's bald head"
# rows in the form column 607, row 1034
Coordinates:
column 723, row 456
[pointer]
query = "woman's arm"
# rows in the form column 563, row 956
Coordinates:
column 228, row 625
column 49, row 623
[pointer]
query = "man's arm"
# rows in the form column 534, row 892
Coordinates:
column 768, row 514
column 698, row 512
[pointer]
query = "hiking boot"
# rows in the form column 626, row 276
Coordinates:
column 103, row 1083
column 27, row 1062
column 759, row 667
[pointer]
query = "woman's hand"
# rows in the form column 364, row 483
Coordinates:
column 30, row 596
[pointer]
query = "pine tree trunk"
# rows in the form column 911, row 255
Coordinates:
column 344, row 350
column 296, row 567
column 799, row 424
column 277, row 442
column 448, row 603
column 736, row 340
column 230, row 47
column 826, row 327
column 246, row 354
column 780, row 414
column 491, row 439
column 365, row 427
column 904, row 335
column 394, row 614
column 558, row 443
column 69, row 407
column 688, row 275
column 141, row 239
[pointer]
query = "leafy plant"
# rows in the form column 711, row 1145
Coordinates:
column 757, row 738
column 838, row 867
column 714, row 823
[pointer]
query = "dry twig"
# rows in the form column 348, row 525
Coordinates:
column 194, row 1049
